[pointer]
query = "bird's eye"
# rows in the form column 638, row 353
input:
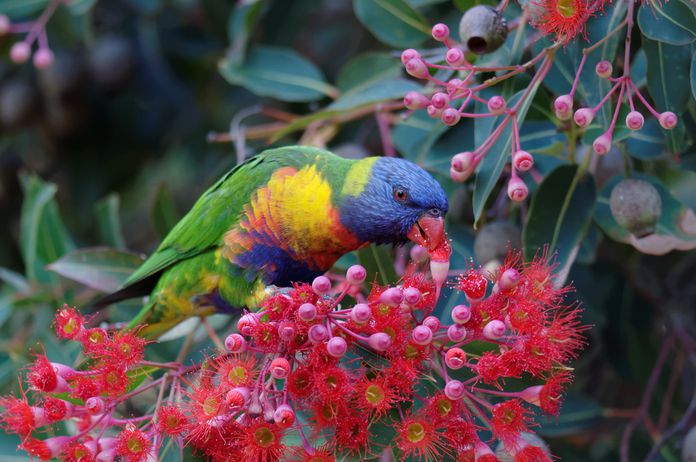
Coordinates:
column 435, row 212
column 400, row 194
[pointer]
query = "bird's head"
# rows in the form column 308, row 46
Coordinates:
column 390, row 200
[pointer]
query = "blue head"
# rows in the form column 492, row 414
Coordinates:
column 400, row 201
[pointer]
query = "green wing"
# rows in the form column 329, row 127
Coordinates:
column 218, row 209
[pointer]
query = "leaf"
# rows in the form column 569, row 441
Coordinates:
column 560, row 213
column 379, row 264
column 668, row 83
column 693, row 75
column 669, row 22
column 14, row 279
column 164, row 211
column 99, row 268
column 43, row 237
column 366, row 69
column 415, row 136
column 80, row 7
column 278, row 72
column 578, row 413
column 493, row 162
column 109, row 222
column 16, row 9
column 374, row 92
column 393, row 22
column 240, row 23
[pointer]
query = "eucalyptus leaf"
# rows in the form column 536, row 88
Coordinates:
column 240, row 24
column 164, row 211
column 367, row 69
column 278, row 72
column 393, row 22
column 109, row 222
column 560, row 213
column 379, row 264
column 18, row 9
column 99, row 268
column 669, row 22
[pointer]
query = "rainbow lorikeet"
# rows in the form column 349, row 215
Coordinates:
column 285, row 215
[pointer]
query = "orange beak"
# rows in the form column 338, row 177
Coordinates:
column 427, row 231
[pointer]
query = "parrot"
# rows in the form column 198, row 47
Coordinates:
column 283, row 216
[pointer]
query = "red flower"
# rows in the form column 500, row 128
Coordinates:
column 68, row 322
column 473, row 284
column 17, row 416
column 133, row 444
column 237, row 370
column 262, row 442
column 125, row 348
column 77, row 452
column 551, row 394
column 171, row 420
column 509, row 419
column 563, row 18
column 43, row 377
column 418, row 437
column 56, row 409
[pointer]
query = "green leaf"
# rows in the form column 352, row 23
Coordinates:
column 693, row 75
column 80, row 7
column 164, row 211
column 8, row 449
column 278, row 72
column 393, row 22
column 415, row 136
column 493, row 162
column 560, row 213
column 99, row 268
column 43, row 237
column 578, row 413
column 668, row 83
column 109, row 222
column 240, row 24
column 375, row 92
column 17, row 9
column 379, row 264
column 669, row 22
column 367, row 69
column 14, row 279
column 682, row 185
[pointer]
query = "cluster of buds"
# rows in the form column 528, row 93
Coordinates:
column 308, row 378
column 450, row 99
column 34, row 33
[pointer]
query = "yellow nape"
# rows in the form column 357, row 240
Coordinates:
column 358, row 176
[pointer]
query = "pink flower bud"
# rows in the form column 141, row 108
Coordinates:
column 284, row 416
column 393, row 296
column 450, row 116
column 455, row 57
column 455, row 358
column 412, row 295
column 517, row 191
column 459, row 177
column 603, row 69
column 462, row 161
column 286, row 330
column 379, row 341
column 321, row 285
column 361, row 313
column 583, row 117
column 414, row 100
column 409, row 54
column 494, row 329
column 95, row 405
column 563, row 107
column 235, row 343
column 440, row 100
column 317, row 333
column 668, row 120
column 421, row 335
column 496, row 105
column 602, row 144
column 5, row 24
column 461, row 314
column 522, row 161
column 454, row 390
column 417, row 68
column 20, row 52
column 456, row 333
column 336, row 347
column 43, row 58
column 509, row 279
column 432, row 323
column 433, row 112
column 454, row 84
column 280, row 368
column 418, row 253
column 356, row 274
column 440, row 32
column 307, row 312
column 635, row 120
column 247, row 323
column 237, row 397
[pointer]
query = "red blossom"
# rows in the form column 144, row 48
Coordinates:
column 509, row 419
column 551, row 394
column 565, row 19
column 473, row 284
column 133, row 444
column 171, row 420
column 417, row 437
column 42, row 375
column 68, row 323
column 262, row 442
column 17, row 415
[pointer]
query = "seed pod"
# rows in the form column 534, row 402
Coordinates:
column 636, row 205
column 483, row 29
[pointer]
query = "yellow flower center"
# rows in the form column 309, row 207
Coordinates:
column 415, row 432
column 374, row 394
column 566, row 8
column 264, row 437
